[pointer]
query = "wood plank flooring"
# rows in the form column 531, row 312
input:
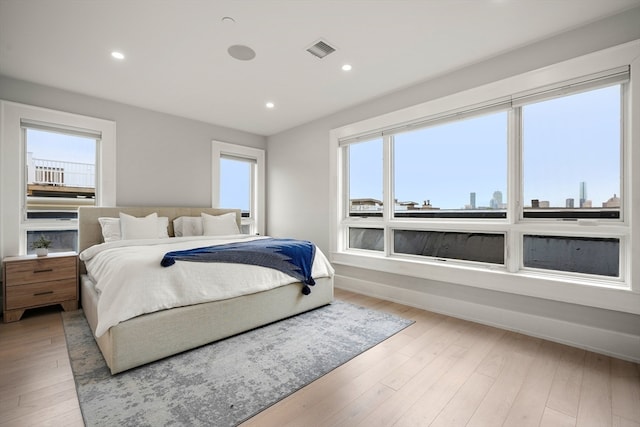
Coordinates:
column 440, row 371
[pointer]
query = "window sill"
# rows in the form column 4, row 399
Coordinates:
column 607, row 294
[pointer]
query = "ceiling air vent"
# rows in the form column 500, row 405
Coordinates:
column 321, row 49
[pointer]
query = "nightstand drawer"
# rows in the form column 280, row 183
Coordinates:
column 40, row 293
column 40, row 270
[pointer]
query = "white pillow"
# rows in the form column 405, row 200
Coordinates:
column 163, row 227
column 138, row 228
column 111, row 229
column 188, row 226
column 219, row 225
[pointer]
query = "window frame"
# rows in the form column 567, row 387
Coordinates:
column 14, row 225
column 621, row 294
column 256, row 221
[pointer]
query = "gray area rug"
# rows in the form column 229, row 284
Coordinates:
column 229, row 381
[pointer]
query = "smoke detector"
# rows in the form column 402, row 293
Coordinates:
column 320, row 49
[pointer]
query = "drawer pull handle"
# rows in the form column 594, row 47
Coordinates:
column 44, row 270
column 43, row 293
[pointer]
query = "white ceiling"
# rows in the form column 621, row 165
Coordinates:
column 177, row 61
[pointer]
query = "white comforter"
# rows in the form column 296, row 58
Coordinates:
column 131, row 282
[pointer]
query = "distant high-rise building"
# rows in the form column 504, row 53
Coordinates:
column 569, row 203
column 583, row 193
column 497, row 195
column 472, row 199
column 496, row 201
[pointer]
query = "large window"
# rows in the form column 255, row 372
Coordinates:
column 529, row 179
column 238, row 183
column 458, row 170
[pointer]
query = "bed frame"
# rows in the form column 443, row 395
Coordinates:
column 153, row 336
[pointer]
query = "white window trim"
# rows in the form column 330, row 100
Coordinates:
column 13, row 226
column 592, row 292
column 258, row 207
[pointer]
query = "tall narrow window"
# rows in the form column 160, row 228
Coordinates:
column 365, row 178
column 238, row 183
column 236, row 186
column 455, row 170
column 571, row 155
column 52, row 162
column 60, row 171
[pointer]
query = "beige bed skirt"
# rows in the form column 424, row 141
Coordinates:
column 154, row 336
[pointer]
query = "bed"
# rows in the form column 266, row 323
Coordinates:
column 149, row 337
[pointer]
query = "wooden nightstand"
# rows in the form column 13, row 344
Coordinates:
column 30, row 281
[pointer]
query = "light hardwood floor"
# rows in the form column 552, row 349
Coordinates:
column 440, row 371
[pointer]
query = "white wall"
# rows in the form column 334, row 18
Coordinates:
column 298, row 196
column 161, row 159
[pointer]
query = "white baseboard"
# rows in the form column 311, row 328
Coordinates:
column 611, row 343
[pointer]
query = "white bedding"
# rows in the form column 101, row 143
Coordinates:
column 131, row 282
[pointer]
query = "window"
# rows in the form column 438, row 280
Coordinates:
column 521, row 185
column 239, row 183
column 61, row 173
column 589, row 255
column 235, row 186
column 52, row 162
column 455, row 170
column 61, row 176
column 458, row 170
column 366, row 238
column 365, row 178
column 480, row 247
column 582, row 177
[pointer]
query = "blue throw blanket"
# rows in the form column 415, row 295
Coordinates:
column 293, row 257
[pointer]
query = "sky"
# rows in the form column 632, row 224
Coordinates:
column 566, row 141
column 61, row 147
column 235, row 184
column 64, row 148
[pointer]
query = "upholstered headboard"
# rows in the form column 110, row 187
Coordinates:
column 90, row 233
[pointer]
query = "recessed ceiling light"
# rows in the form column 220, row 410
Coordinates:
column 270, row 105
column 346, row 67
column 228, row 20
column 117, row 55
